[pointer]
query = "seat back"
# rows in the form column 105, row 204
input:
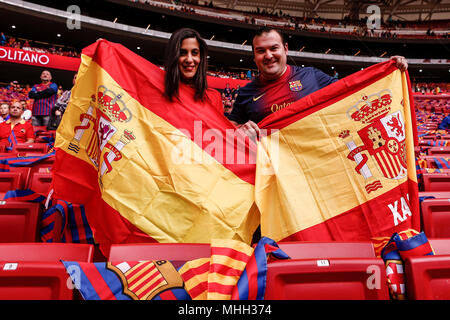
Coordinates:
column 436, row 182
column 40, row 182
column 436, row 217
column 175, row 252
column 25, row 175
column 325, row 250
column 428, row 277
column 9, row 181
column 30, row 147
column 327, row 279
column 19, row 221
column 38, row 251
column 34, row 280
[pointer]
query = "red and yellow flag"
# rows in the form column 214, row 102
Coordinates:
column 341, row 164
column 147, row 169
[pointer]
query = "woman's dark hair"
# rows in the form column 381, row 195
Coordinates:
column 172, row 76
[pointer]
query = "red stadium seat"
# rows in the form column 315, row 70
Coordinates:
column 436, row 217
column 428, row 277
column 327, row 279
column 31, row 147
column 26, row 172
column 40, row 182
column 319, row 250
column 34, row 281
column 19, row 221
column 436, row 194
column 34, row 271
column 9, row 181
column 327, row 270
column 436, row 181
column 436, row 151
column 46, row 252
column 175, row 252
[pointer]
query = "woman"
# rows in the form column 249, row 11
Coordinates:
column 187, row 63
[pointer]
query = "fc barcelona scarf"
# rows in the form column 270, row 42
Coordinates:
column 400, row 246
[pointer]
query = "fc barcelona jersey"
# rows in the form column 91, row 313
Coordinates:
column 260, row 98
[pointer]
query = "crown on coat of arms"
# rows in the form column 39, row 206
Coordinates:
column 112, row 105
column 372, row 107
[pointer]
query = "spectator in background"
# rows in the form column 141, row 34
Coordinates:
column 2, row 39
column 15, row 129
column 60, row 107
column 45, row 96
column 4, row 112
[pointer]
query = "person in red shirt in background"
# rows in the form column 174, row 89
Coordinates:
column 15, row 129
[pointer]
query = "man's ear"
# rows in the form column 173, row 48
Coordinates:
column 286, row 47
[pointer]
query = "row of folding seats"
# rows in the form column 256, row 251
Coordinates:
column 317, row 271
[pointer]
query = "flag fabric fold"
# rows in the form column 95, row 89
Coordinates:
column 340, row 164
column 147, row 169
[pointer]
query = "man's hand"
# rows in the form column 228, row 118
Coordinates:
column 400, row 62
column 249, row 128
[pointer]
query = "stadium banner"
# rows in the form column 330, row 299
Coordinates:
column 39, row 59
column 343, row 164
column 147, row 169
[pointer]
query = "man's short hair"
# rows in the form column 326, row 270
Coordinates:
column 266, row 29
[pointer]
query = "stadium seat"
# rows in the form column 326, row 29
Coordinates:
column 9, row 181
column 25, row 175
column 435, row 194
column 327, row 279
column 436, row 217
column 319, row 250
column 175, row 252
column 46, row 252
column 19, row 221
column 40, row 182
column 428, row 277
column 436, row 151
column 327, row 270
column 30, row 147
column 34, row 280
column 33, row 271
column 436, row 181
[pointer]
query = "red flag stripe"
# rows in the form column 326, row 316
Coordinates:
column 252, row 275
column 192, row 272
column 97, row 281
column 229, row 252
column 224, row 270
column 198, row 289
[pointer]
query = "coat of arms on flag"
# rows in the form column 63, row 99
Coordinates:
column 295, row 85
column 383, row 138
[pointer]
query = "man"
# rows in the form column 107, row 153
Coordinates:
column 4, row 112
column 15, row 129
column 278, row 84
column 45, row 96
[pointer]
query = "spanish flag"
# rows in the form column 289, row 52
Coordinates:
column 340, row 164
column 147, row 169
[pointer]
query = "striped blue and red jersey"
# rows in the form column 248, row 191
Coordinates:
column 45, row 97
column 260, row 98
